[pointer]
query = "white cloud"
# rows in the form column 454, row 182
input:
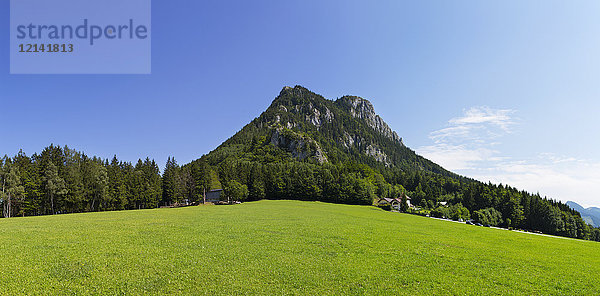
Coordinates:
column 455, row 157
column 469, row 146
column 469, row 139
column 485, row 115
column 449, row 133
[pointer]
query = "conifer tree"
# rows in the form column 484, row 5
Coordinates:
column 12, row 191
column 54, row 186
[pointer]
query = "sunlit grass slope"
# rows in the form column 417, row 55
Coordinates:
column 284, row 247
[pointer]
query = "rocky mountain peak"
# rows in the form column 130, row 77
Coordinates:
column 358, row 107
column 363, row 109
column 293, row 91
column 297, row 109
column 311, row 107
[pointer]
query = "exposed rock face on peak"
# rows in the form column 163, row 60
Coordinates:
column 348, row 140
column 349, row 122
column 301, row 147
column 296, row 91
column 363, row 109
column 301, row 125
column 299, row 100
column 316, row 117
column 379, row 155
column 316, row 111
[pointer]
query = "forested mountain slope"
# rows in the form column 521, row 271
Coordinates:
column 307, row 147
column 302, row 147
column 301, row 125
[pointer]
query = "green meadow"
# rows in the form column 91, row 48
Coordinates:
column 284, row 248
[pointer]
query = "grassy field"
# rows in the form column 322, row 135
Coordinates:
column 284, row 247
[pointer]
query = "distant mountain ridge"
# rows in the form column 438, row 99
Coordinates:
column 589, row 215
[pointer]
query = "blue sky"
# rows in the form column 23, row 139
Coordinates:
column 505, row 91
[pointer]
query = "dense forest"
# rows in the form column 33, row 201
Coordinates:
column 61, row 180
column 302, row 147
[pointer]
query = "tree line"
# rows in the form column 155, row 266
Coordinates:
column 61, row 180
